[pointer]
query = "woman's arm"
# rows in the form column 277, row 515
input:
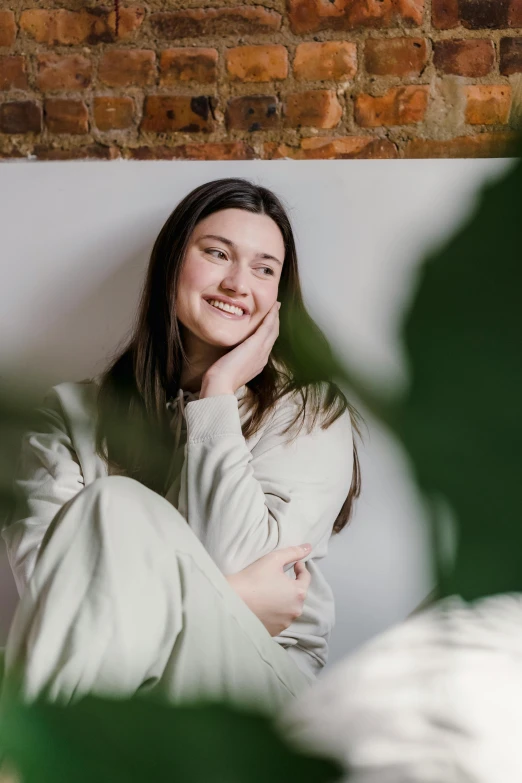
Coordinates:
column 244, row 504
column 48, row 475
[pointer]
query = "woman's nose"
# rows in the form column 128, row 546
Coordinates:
column 236, row 280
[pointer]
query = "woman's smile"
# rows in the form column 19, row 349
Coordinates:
column 224, row 313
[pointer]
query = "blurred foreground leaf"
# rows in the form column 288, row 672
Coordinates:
column 461, row 420
column 103, row 741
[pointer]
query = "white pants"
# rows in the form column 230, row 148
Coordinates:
column 125, row 600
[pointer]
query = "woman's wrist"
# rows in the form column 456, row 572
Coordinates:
column 211, row 388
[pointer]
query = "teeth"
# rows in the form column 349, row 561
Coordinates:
column 228, row 308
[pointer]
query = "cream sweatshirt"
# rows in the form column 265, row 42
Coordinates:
column 243, row 498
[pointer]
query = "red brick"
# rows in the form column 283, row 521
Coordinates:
column 130, row 21
column 13, row 75
column 57, row 72
column 66, row 116
column 445, row 14
column 484, row 14
column 327, row 148
column 395, row 56
column 510, row 56
column 487, row 104
column 515, row 14
column 7, row 28
column 234, row 150
column 312, row 108
column 309, row 16
column 127, row 67
column 89, row 151
column 252, row 113
column 112, row 113
column 257, row 63
column 476, row 14
column 398, row 106
column 205, row 22
column 89, row 26
column 328, row 60
column 20, row 117
column 474, row 57
column 187, row 113
column 479, row 145
column 188, row 64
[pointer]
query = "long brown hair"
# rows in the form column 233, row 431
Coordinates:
column 135, row 388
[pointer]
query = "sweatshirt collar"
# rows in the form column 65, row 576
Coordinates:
column 182, row 397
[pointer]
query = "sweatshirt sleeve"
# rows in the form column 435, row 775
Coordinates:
column 242, row 503
column 48, row 475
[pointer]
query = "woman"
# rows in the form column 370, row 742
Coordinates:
column 169, row 578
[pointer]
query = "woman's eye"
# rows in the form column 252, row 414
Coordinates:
column 267, row 270
column 213, row 250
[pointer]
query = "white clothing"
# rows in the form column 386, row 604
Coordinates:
column 242, row 498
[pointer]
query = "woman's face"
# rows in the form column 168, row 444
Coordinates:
column 233, row 255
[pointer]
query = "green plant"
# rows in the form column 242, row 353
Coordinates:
column 109, row 740
column 461, row 417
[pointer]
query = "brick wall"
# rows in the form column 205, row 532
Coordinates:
column 219, row 80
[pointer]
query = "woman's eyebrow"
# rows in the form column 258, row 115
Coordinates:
column 234, row 246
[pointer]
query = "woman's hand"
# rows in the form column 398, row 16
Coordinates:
column 245, row 361
column 275, row 598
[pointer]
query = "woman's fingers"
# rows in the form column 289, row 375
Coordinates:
column 271, row 319
column 302, row 581
column 267, row 331
column 291, row 553
column 303, row 575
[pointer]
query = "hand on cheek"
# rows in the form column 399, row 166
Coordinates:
column 245, row 361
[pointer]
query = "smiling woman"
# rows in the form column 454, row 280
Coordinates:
column 166, row 502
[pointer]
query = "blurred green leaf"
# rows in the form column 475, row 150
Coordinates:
column 104, row 740
column 461, row 420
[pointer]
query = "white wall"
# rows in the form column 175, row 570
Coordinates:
column 75, row 243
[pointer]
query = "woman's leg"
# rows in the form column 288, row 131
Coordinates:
column 125, row 598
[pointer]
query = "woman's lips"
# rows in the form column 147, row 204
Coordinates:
column 223, row 314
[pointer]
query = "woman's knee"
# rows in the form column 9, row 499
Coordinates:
column 117, row 511
column 116, row 490
column 123, row 502
column 94, row 494
column 111, row 484
column 116, row 514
